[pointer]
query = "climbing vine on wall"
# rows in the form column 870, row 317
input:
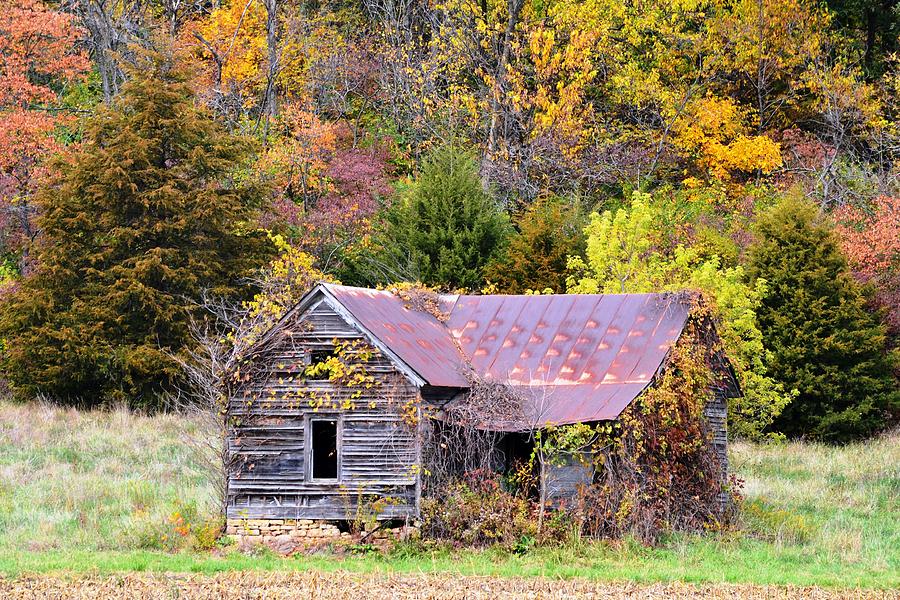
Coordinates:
column 345, row 367
column 657, row 470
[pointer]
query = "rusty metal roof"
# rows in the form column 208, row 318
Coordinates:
column 417, row 337
column 578, row 357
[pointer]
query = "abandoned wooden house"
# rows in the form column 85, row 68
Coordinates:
column 326, row 409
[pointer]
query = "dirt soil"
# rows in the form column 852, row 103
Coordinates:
column 325, row 586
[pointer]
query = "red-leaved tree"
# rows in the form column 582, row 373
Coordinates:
column 871, row 239
column 38, row 50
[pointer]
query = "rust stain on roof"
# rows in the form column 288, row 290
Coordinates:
column 576, row 357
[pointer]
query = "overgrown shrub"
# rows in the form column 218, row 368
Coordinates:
column 656, row 469
column 477, row 510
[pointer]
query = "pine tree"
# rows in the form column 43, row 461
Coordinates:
column 142, row 218
column 550, row 231
column 824, row 340
column 448, row 227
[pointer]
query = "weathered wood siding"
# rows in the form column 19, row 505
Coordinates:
column 716, row 414
column 269, row 474
column 562, row 482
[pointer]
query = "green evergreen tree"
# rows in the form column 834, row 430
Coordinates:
column 448, row 227
column 142, row 217
column 549, row 232
column 824, row 340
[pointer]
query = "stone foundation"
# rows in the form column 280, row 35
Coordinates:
column 291, row 535
column 296, row 528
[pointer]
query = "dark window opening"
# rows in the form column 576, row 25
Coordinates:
column 317, row 357
column 324, row 449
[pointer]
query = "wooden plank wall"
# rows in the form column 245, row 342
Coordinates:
column 716, row 413
column 562, row 482
column 269, row 476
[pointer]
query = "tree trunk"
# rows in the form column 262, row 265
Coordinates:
column 269, row 102
column 871, row 34
column 515, row 8
column 761, row 80
column 112, row 25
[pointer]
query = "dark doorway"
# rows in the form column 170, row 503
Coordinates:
column 324, row 453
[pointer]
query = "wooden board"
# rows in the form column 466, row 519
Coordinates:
column 270, row 475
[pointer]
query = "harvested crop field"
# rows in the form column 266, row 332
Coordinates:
column 343, row 585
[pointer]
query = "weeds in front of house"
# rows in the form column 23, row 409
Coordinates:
column 87, row 490
column 476, row 511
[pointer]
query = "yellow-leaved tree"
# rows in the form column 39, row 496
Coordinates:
column 712, row 133
column 764, row 48
column 622, row 257
column 282, row 284
column 232, row 38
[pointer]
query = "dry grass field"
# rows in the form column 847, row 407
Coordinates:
column 97, row 496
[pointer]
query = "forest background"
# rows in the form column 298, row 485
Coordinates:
column 158, row 153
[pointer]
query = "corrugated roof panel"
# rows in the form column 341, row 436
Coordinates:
column 477, row 313
column 521, row 334
column 597, row 321
column 508, row 311
column 636, row 341
column 530, row 364
column 558, row 356
column 577, row 357
column 672, row 318
column 597, row 368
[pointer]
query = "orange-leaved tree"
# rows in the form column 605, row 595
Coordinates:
column 38, row 53
column 870, row 237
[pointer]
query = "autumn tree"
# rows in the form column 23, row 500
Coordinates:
column 38, row 54
column 142, row 218
column 764, row 46
column 625, row 254
column 824, row 341
column 115, row 29
column 447, row 228
column 37, row 48
column 296, row 158
column 232, row 42
column 257, row 54
column 870, row 237
column 871, row 25
column 713, row 134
